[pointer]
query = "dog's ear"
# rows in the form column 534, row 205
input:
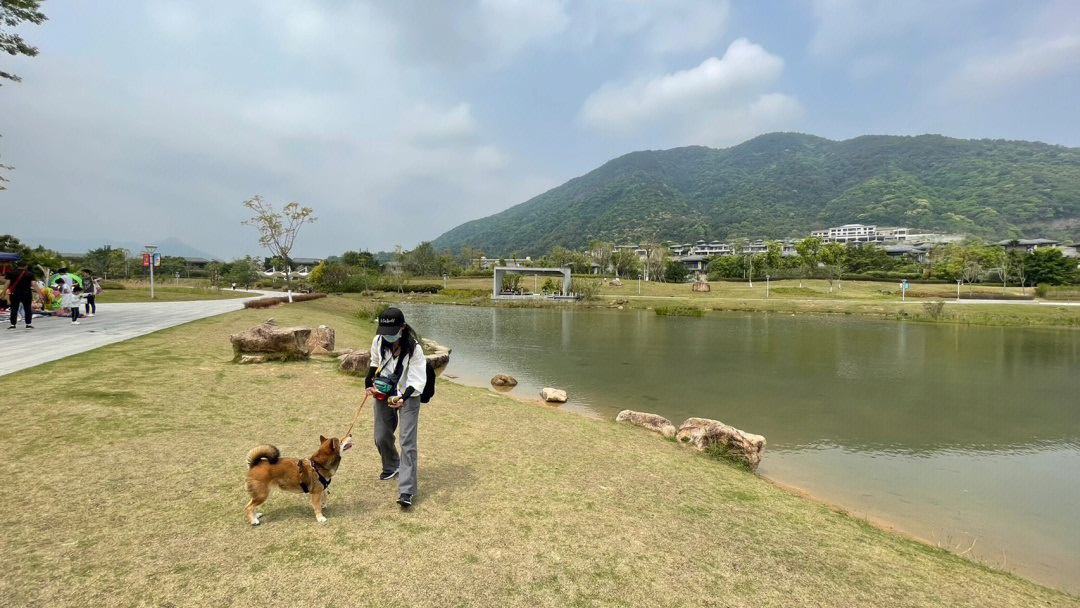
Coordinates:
column 322, row 440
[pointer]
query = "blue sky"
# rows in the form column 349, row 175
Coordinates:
column 399, row 120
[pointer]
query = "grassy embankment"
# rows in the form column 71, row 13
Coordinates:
column 868, row 298
column 124, row 487
column 139, row 291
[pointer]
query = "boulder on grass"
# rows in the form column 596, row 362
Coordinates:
column 321, row 341
column 615, row 283
column 704, row 434
column 553, row 395
column 356, row 363
column 701, row 286
column 652, row 422
column 272, row 341
column 503, row 381
column 246, row 359
column 437, row 354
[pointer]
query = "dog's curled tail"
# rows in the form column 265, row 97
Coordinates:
column 268, row 453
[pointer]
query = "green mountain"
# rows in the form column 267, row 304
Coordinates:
column 786, row 184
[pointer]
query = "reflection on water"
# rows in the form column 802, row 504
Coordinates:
column 948, row 432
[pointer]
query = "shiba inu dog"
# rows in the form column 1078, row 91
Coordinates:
column 311, row 475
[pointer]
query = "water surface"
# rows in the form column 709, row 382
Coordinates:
column 966, row 436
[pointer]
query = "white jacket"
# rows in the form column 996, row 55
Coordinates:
column 415, row 375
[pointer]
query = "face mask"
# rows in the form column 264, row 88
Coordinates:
column 393, row 338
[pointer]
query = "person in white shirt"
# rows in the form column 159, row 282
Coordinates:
column 397, row 377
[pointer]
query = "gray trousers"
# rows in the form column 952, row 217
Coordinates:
column 387, row 419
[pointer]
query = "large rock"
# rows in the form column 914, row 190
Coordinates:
column 501, row 380
column 273, row 341
column 321, row 341
column 356, row 363
column 701, row 286
column 704, row 434
column 615, row 283
column 652, row 422
column 437, row 354
column 553, row 395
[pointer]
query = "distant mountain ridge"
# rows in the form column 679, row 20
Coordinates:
column 171, row 246
column 786, row 184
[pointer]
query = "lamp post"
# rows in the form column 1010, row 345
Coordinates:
column 766, row 286
column 151, row 249
column 958, row 281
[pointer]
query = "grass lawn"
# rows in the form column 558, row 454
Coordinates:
column 168, row 293
column 125, row 466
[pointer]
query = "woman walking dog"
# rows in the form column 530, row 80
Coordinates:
column 397, row 378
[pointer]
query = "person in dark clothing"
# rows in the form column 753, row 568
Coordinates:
column 20, row 293
column 90, row 288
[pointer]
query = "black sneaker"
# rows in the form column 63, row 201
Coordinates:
column 384, row 476
column 405, row 500
column 29, row 327
column 12, row 327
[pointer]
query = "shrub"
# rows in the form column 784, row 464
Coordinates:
column 464, row 293
column 112, row 285
column 678, row 311
column 586, row 289
column 1063, row 292
column 934, row 309
column 371, row 313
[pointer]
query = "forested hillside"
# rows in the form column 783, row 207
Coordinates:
column 785, row 184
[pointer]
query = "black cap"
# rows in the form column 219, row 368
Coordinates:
column 390, row 322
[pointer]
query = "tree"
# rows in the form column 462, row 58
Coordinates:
column 808, row 250
column 655, row 260
column 213, row 273
column 328, row 276
column 601, row 252
column 106, row 260
column 726, row 267
column 833, row 256
column 995, row 258
column 774, row 256
column 625, row 262
column 676, row 272
column 1048, row 265
column 1017, row 260
column 12, row 13
column 243, row 272
column 277, row 231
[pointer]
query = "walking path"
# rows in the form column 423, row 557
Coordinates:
column 55, row 337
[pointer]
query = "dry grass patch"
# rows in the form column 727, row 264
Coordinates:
column 124, row 487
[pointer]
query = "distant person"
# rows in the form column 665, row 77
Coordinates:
column 397, row 377
column 93, row 288
column 66, row 296
column 76, row 302
column 20, row 293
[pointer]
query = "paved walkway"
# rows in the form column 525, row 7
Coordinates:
column 55, row 337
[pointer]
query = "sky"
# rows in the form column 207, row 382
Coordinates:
column 396, row 121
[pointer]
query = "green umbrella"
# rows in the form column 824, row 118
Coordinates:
column 68, row 278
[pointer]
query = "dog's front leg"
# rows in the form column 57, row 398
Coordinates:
column 316, row 503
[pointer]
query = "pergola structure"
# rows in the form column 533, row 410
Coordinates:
column 502, row 271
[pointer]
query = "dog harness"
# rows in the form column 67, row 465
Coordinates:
column 303, row 486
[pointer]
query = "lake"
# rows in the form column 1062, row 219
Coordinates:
column 967, row 437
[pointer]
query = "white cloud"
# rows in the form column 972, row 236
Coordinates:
column 695, row 105
column 429, row 125
column 512, row 25
column 657, row 27
column 1029, row 59
column 175, row 21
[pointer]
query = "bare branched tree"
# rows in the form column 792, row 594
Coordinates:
column 277, row 231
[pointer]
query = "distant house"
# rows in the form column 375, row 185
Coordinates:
column 310, row 262
column 196, row 263
column 694, row 263
column 1028, row 245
